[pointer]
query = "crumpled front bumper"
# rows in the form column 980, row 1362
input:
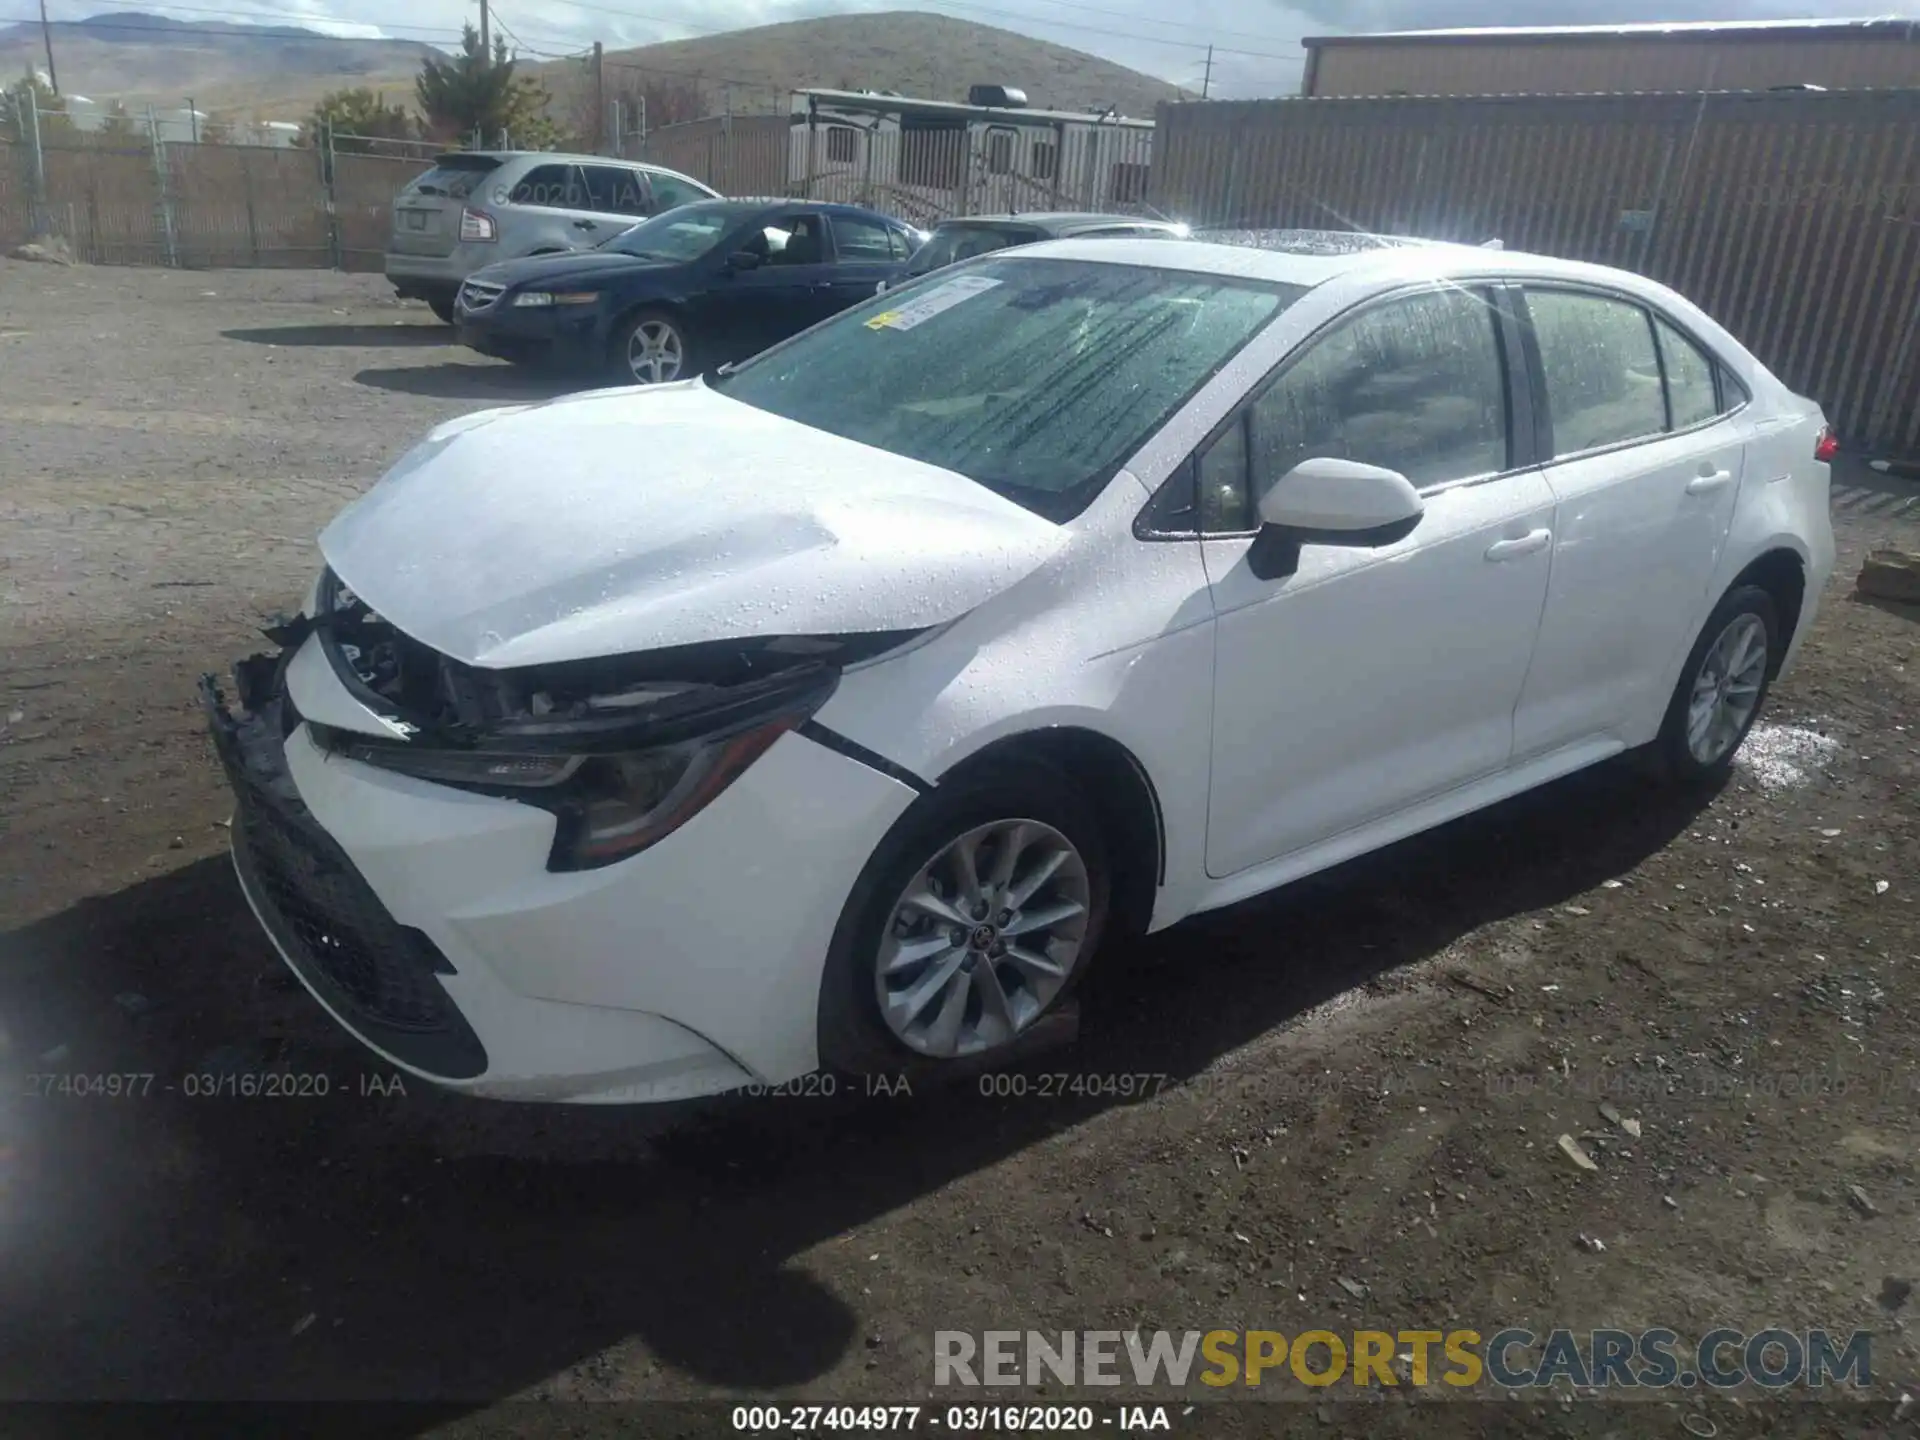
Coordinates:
column 425, row 921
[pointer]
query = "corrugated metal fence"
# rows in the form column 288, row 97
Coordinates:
column 1793, row 218
column 203, row 206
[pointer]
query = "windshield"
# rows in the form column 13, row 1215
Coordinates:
column 1036, row 378
column 962, row 242
column 685, row 233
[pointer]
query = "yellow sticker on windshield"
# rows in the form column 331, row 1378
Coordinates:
column 939, row 299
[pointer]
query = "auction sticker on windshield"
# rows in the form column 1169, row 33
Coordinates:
column 923, row 308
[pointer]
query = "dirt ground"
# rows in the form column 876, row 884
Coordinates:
column 1364, row 1077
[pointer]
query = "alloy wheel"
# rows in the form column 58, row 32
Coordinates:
column 1726, row 691
column 655, row 352
column 983, row 939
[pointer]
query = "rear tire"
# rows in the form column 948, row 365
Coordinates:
column 959, row 994
column 1722, row 690
column 442, row 307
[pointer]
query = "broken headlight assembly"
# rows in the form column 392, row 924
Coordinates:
column 611, row 803
column 622, row 751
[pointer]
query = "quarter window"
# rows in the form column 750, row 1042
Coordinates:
column 669, row 192
column 1602, row 372
column 1690, row 389
column 1416, row 385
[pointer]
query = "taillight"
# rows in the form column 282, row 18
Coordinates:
column 1827, row 447
column 476, row 225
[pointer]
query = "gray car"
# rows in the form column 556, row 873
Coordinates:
column 478, row 207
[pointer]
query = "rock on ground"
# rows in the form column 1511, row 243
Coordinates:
column 1891, row 575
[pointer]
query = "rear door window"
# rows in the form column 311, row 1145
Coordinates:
column 552, row 187
column 864, row 242
column 1602, row 371
column 616, row 190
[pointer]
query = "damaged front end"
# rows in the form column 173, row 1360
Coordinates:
column 622, row 751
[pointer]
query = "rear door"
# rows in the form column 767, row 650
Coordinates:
column 617, row 198
column 1648, row 453
column 549, row 212
column 426, row 213
column 866, row 251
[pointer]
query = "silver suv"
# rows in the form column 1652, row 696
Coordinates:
column 477, row 207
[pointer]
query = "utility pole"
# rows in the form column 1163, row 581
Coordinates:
column 46, row 34
column 1206, row 84
column 599, row 98
column 486, row 32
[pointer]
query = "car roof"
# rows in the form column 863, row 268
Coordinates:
column 827, row 207
column 1059, row 220
column 560, row 157
column 1311, row 258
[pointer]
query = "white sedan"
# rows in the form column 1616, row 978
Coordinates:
column 833, row 712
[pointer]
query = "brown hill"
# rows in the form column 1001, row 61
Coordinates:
column 139, row 58
column 932, row 57
column 280, row 72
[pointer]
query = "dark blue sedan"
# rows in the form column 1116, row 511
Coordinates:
column 687, row 291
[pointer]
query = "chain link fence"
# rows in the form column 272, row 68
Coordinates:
column 148, row 201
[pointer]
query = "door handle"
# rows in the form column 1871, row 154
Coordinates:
column 585, row 225
column 1709, row 481
column 1531, row 543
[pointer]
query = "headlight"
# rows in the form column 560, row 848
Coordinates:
column 611, row 803
column 534, row 299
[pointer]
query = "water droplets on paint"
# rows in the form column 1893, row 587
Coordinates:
column 1785, row 757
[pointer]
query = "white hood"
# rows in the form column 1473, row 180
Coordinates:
column 630, row 520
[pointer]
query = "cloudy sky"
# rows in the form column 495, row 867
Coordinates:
column 1256, row 42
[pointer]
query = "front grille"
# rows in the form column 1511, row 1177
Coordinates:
column 478, row 295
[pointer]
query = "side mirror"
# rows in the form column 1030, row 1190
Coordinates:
column 743, row 260
column 1342, row 502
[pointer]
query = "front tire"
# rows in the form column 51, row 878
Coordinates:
column 653, row 348
column 974, row 921
column 1722, row 688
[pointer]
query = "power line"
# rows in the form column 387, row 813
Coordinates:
column 513, row 35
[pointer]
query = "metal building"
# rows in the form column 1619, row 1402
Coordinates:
column 1584, row 60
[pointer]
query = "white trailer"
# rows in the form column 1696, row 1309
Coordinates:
column 929, row 159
